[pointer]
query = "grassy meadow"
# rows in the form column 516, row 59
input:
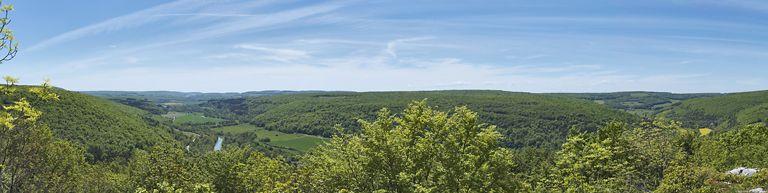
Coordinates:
column 299, row 142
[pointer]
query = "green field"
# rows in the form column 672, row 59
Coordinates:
column 300, row 142
column 191, row 118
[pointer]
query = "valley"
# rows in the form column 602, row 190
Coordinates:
column 297, row 121
column 236, row 96
column 294, row 132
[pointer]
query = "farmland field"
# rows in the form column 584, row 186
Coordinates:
column 300, row 142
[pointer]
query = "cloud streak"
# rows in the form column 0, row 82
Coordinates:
column 122, row 22
column 277, row 54
column 392, row 45
column 385, row 45
column 223, row 28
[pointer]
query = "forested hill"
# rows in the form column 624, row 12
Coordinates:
column 166, row 97
column 722, row 112
column 526, row 119
column 640, row 103
column 105, row 129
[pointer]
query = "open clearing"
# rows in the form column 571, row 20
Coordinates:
column 300, row 142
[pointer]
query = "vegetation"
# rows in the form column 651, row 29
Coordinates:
column 526, row 120
column 298, row 142
column 52, row 140
column 660, row 157
column 31, row 159
column 179, row 98
column 143, row 104
column 426, row 150
column 640, row 103
column 191, row 118
column 722, row 112
column 105, row 129
column 423, row 151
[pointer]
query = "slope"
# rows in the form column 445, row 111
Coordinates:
column 106, row 129
column 526, row 119
column 639, row 103
column 722, row 112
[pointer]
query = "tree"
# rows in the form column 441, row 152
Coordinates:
column 659, row 143
column 10, row 80
column 164, row 167
column 602, row 162
column 8, row 44
column 244, row 170
column 423, row 150
column 31, row 159
column 745, row 146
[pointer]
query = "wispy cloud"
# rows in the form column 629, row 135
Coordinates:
column 277, row 54
column 222, row 28
column 122, row 22
column 522, row 69
column 362, row 45
column 392, row 45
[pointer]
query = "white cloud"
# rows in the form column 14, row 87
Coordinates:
column 519, row 69
column 277, row 54
column 336, row 41
column 450, row 74
column 392, row 45
column 131, row 60
column 122, row 22
column 223, row 28
column 305, row 48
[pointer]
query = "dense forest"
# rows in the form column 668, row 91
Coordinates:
column 722, row 112
column 639, row 103
column 171, row 97
column 532, row 120
column 106, row 129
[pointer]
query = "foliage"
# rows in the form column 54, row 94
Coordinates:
column 169, row 169
column 640, row 103
column 191, row 118
column 8, row 44
column 106, row 130
column 526, row 120
column 722, row 112
column 143, row 104
column 31, row 159
column 298, row 142
column 424, row 150
column 619, row 158
column 171, row 98
column 741, row 147
column 684, row 178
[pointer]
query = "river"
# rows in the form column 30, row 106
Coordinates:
column 219, row 141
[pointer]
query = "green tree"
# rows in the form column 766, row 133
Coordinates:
column 659, row 143
column 165, row 167
column 602, row 162
column 244, row 170
column 745, row 146
column 423, row 150
column 31, row 159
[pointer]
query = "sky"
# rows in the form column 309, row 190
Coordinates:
column 681, row 46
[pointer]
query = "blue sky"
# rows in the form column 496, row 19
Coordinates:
column 531, row 46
